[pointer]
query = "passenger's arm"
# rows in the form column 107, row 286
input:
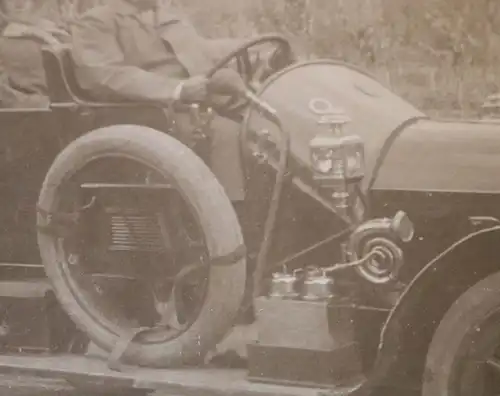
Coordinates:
column 101, row 67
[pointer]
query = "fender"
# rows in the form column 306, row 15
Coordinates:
column 469, row 260
column 479, row 250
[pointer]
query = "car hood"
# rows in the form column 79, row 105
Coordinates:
column 375, row 111
column 450, row 156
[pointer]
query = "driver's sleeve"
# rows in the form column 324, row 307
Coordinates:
column 101, row 68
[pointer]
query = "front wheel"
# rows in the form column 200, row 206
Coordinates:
column 464, row 355
column 114, row 288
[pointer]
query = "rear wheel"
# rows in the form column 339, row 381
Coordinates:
column 464, row 355
column 119, row 271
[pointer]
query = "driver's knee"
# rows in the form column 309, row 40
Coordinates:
column 224, row 158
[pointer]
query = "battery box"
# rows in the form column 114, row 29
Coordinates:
column 300, row 344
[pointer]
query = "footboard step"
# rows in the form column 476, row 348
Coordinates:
column 179, row 382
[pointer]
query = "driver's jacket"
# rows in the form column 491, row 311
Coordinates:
column 120, row 53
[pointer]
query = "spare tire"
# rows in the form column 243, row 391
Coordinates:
column 218, row 224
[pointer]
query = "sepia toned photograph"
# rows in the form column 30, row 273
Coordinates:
column 249, row 198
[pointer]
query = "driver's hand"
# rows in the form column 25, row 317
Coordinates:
column 194, row 90
column 226, row 82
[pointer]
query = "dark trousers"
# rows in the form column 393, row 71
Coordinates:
column 225, row 159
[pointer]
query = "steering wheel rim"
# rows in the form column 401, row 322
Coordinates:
column 245, row 47
column 279, row 41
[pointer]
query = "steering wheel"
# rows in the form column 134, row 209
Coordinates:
column 246, row 69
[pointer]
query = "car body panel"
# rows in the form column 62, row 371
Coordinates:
column 374, row 110
column 29, row 142
column 443, row 156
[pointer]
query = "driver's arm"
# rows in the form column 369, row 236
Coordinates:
column 101, row 67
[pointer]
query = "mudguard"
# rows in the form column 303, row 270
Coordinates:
column 479, row 249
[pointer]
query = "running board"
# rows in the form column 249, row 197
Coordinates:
column 181, row 382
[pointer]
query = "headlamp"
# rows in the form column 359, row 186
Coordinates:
column 337, row 159
column 354, row 154
column 324, row 158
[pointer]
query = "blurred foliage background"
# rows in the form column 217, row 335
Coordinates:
column 442, row 55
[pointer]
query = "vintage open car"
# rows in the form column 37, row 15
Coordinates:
column 356, row 202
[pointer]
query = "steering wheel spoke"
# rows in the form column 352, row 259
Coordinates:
column 247, row 69
column 240, row 66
